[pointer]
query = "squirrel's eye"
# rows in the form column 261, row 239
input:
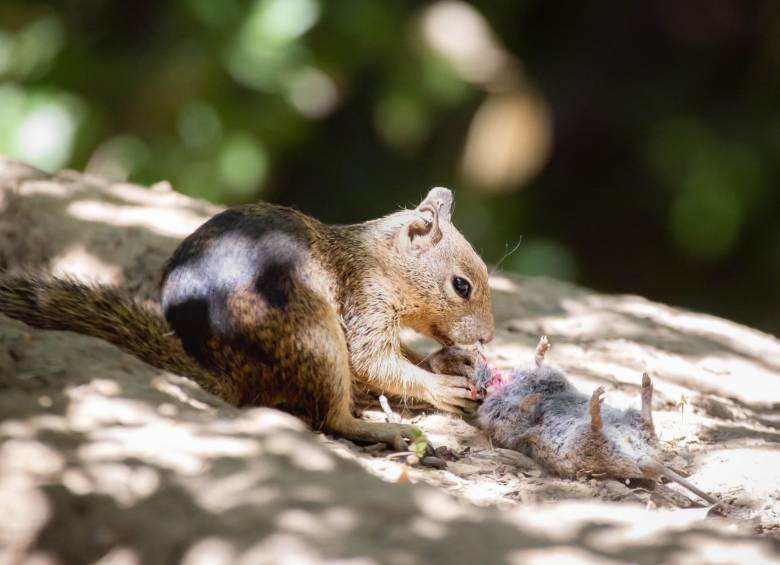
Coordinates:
column 462, row 287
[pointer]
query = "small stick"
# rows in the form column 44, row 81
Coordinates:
column 399, row 454
column 389, row 414
column 683, row 403
column 647, row 404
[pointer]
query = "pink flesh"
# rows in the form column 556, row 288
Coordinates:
column 498, row 378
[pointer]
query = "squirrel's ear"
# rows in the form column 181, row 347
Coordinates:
column 439, row 201
column 423, row 231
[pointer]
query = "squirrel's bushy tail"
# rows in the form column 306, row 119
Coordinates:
column 101, row 311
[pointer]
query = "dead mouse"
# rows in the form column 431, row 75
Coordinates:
column 538, row 411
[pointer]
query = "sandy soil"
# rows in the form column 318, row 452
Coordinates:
column 105, row 458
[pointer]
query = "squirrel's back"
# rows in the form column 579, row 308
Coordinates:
column 260, row 251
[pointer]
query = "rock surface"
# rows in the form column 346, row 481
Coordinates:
column 104, row 458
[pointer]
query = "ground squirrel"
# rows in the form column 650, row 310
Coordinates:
column 271, row 307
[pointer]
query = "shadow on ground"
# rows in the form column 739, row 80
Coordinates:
column 103, row 456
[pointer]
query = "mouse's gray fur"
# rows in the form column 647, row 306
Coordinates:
column 539, row 412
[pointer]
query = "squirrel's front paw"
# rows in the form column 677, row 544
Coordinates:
column 451, row 393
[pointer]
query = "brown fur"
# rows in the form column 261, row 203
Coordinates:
column 310, row 309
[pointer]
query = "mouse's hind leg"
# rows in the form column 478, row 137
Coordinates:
column 541, row 350
column 594, row 407
column 647, row 404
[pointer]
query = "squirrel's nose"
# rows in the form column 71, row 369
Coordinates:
column 487, row 335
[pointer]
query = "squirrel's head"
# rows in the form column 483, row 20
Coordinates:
column 445, row 283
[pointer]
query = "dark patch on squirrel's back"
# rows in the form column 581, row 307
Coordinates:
column 191, row 321
column 274, row 277
column 256, row 249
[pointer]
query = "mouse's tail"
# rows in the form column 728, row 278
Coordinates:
column 664, row 471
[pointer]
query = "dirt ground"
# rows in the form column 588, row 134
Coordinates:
column 712, row 424
column 105, row 459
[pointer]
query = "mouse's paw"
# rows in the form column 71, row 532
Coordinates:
column 647, row 404
column 541, row 350
column 594, row 406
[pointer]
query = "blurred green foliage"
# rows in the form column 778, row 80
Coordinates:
column 634, row 147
